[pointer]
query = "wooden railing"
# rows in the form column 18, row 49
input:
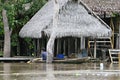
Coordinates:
column 114, row 55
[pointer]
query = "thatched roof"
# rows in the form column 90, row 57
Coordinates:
column 74, row 19
column 104, row 6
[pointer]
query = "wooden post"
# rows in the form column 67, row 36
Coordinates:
column 38, row 48
column 69, row 46
column 95, row 48
column 76, row 45
column 64, row 47
column 112, row 26
column 57, row 46
column 43, row 42
column 60, row 46
column 82, row 42
column 119, row 36
column 78, row 41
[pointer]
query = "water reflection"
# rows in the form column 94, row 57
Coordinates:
column 114, row 66
column 6, row 71
column 49, row 72
column 42, row 71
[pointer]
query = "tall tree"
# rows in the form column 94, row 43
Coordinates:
column 7, row 34
column 15, row 14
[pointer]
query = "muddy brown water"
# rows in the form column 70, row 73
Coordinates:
column 43, row 71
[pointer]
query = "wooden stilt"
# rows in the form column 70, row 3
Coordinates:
column 57, row 46
column 68, row 46
column 112, row 26
column 79, row 45
column 42, row 43
column 60, row 49
column 95, row 48
column 38, row 48
column 76, row 45
column 119, row 37
column 82, row 43
column 64, row 45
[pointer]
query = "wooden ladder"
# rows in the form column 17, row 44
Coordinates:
column 102, row 43
column 114, row 55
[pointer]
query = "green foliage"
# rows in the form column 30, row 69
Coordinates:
column 36, row 5
column 1, row 53
column 14, row 40
column 116, row 21
column 18, row 16
column 30, row 43
column 1, row 24
column 116, row 15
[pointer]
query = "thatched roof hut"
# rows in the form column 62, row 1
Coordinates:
column 104, row 7
column 64, row 18
column 74, row 19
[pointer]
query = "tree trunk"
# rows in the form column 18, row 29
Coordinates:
column 50, row 46
column 7, row 42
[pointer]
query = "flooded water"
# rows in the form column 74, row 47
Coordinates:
column 42, row 71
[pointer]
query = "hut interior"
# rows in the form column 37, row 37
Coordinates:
column 68, row 46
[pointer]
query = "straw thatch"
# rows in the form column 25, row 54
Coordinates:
column 61, row 18
column 74, row 19
column 101, row 7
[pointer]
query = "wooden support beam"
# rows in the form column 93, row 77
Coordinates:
column 38, row 48
column 82, row 42
column 69, row 46
column 35, row 49
column 95, row 48
column 119, row 36
column 60, row 46
column 76, row 48
column 57, row 46
column 64, row 45
column 112, row 26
